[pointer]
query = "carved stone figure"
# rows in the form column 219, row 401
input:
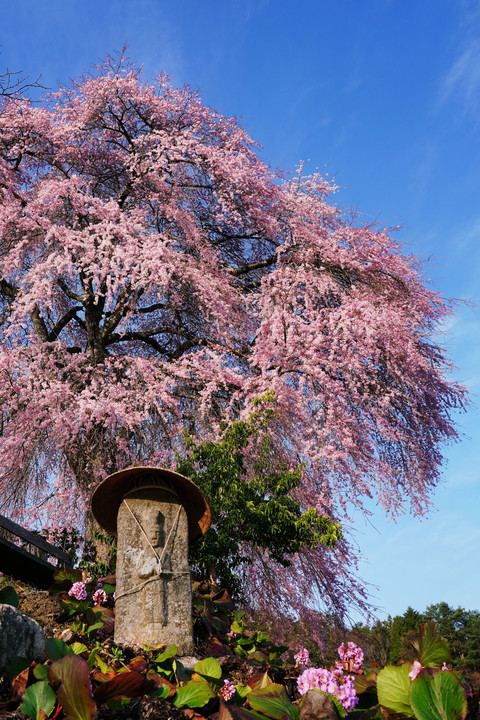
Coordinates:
column 157, row 513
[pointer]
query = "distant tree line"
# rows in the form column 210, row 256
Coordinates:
column 388, row 641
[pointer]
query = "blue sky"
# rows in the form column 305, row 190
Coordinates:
column 384, row 97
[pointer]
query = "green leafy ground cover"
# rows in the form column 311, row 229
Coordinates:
column 240, row 673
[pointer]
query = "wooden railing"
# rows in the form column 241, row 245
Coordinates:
column 30, row 562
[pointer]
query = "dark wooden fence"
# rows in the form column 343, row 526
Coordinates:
column 30, row 562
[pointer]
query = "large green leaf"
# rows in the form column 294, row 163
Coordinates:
column 257, row 682
column 273, row 701
column 78, row 648
column 210, row 667
column 338, row 705
column 160, row 691
column 263, row 637
column 194, row 694
column 102, row 615
column 237, row 628
column 393, row 685
column 365, row 683
column 438, row 695
column 95, row 659
column 40, row 672
column 8, row 596
column 70, row 677
column 161, row 683
column 242, row 691
column 56, row 649
column 38, row 698
column 96, row 626
column 169, row 653
column 431, row 650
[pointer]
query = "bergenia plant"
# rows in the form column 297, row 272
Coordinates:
column 334, row 682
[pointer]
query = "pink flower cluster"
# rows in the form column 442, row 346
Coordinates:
column 302, row 658
column 351, row 657
column 335, row 682
column 346, row 692
column 227, row 691
column 99, row 597
column 317, row 679
column 78, row 590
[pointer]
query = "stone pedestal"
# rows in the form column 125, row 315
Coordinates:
column 153, row 598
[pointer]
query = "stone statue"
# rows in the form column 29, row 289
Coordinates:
column 158, row 511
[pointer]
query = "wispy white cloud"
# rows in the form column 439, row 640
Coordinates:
column 464, row 74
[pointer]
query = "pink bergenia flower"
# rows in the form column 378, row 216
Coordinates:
column 227, row 691
column 78, row 591
column 346, row 693
column 416, row 667
column 351, row 657
column 317, row 679
column 99, row 597
column 302, row 658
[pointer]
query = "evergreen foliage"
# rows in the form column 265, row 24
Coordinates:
column 252, row 519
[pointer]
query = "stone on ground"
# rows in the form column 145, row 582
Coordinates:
column 20, row 636
column 317, row 706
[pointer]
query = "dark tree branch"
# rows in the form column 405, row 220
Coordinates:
column 69, row 293
column 237, row 272
column 132, row 336
column 147, row 337
column 58, row 327
column 120, row 307
column 14, row 83
column 152, row 308
column 39, row 324
column 8, row 290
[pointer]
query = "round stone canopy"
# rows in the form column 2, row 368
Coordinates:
column 108, row 497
